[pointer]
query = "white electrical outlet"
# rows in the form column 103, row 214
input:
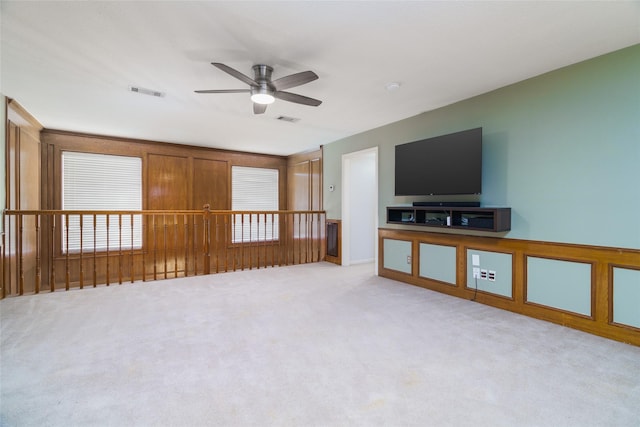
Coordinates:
column 476, row 272
column 492, row 276
column 408, row 259
column 483, row 274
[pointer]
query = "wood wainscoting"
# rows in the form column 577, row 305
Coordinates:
column 594, row 264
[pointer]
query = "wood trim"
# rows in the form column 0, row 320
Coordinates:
column 602, row 260
column 609, row 280
column 592, row 285
column 163, row 146
column 22, row 118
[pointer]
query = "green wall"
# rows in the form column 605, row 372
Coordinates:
column 561, row 149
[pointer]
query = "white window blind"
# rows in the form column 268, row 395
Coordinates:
column 101, row 182
column 254, row 189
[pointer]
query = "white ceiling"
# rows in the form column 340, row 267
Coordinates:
column 70, row 63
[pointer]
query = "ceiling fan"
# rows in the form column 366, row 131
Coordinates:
column 263, row 90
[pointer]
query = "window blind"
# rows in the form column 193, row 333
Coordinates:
column 254, row 189
column 101, row 182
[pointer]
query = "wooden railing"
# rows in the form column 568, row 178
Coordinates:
column 57, row 249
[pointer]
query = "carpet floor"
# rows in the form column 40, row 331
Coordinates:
column 306, row 345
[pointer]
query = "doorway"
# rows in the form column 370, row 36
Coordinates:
column 360, row 207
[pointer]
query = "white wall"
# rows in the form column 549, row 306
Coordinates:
column 362, row 208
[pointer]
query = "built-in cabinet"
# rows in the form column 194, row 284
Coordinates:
column 594, row 289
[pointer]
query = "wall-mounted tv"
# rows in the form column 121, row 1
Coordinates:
column 447, row 164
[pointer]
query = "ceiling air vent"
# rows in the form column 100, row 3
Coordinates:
column 144, row 91
column 288, row 119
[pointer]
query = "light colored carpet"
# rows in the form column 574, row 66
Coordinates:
column 307, row 345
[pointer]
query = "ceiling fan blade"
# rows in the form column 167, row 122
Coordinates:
column 294, row 80
column 223, row 91
column 259, row 108
column 298, row 99
column 235, row 73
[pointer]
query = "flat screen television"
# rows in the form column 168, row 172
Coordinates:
column 443, row 165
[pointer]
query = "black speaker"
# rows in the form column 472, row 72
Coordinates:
column 449, row 204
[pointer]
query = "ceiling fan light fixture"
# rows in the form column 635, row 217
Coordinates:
column 262, row 98
column 264, row 91
column 262, row 95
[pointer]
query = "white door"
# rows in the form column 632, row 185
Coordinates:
column 360, row 207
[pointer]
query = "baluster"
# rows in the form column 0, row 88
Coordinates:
column 95, row 272
column 206, row 225
column 108, row 219
column 81, row 266
column 305, row 237
column 309, row 245
column 310, row 237
column 66, row 258
column 19, row 258
column 131, row 266
column 164, row 243
column 257, row 240
column 279, row 251
column 155, row 248
column 226, row 239
column 217, row 240
column 242, row 242
column 52, row 261
column 319, row 237
column 282, row 241
column 250, row 241
column 119, row 249
column 185, row 224
column 10, row 241
column 264, row 241
column 299, row 239
column 195, row 245
column 233, row 219
column 264, row 232
column 175, row 245
column 273, row 241
column 289, row 244
column 38, row 250
column 143, row 245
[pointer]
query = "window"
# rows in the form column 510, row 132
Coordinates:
column 101, row 182
column 254, row 189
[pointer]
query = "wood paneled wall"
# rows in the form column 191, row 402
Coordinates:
column 23, row 178
column 304, row 174
column 174, row 176
column 23, row 159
